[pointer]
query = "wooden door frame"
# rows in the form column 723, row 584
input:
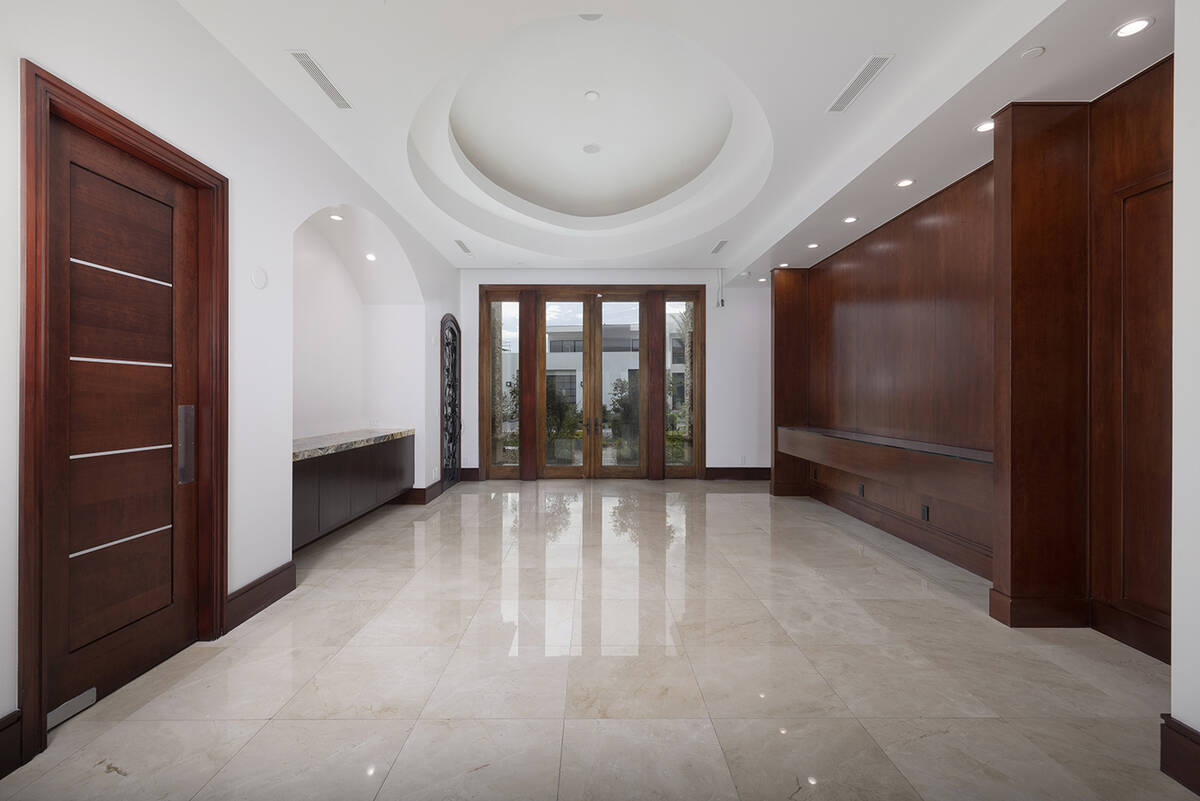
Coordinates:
column 448, row 321
column 44, row 96
column 526, row 295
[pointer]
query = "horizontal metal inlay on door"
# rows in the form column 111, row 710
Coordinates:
column 118, row 542
column 120, row 361
column 119, row 272
column 123, row 450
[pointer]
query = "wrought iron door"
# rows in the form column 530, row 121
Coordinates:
column 451, row 402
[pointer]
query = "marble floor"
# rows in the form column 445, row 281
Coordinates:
column 622, row 640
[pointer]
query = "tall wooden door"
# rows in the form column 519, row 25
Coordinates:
column 591, row 384
column 565, row 409
column 617, row 386
column 119, row 505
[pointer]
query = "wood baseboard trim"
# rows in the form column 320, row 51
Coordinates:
column 737, row 474
column 258, row 595
column 468, row 474
column 10, row 743
column 421, row 495
column 1134, row 631
column 938, row 542
column 790, row 489
column 1179, row 754
column 1038, row 613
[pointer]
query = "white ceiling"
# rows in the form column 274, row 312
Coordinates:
column 590, row 117
column 468, row 117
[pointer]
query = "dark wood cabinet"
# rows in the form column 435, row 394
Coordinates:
column 331, row 490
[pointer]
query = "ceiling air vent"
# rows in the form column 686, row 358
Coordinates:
column 462, row 246
column 318, row 75
column 873, row 67
column 720, row 246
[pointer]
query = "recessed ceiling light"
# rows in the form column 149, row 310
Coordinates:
column 783, row 264
column 762, row 280
column 1034, row 52
column 903, row 182
column 592, row 148
column 336, row 217
column 849, row 219
column 812, row 245
column 591, row 95
column 370, row 257
column 984, row 127
column 590, row 17
column 1133, row 26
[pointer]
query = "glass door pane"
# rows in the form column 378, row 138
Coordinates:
column 505, row 318
column 564, row 375
column 620, row 376
column 678, row 391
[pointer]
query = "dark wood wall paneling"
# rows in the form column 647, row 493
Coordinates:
column 901, row 324
column 789, row 375
column 1039, row 571
column 1025, row 311
column 1130, row 361
column 892, row 337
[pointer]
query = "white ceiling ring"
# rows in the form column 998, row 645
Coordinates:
column 701, row 184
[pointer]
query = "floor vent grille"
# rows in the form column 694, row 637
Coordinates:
column 319, row 77
column 873, row 67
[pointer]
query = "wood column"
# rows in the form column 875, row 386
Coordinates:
column 528, row 360
column 789, row 375
column 1042, row 208
column 656, row 371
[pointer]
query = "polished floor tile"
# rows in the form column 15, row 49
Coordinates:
column 829, row 760
column 624, row 640
column 984, row 760
column 150, row 760
column 477, row 760
column 617, row 760
column 501, row 683
column 637, row 682
column 371, row 682
column 763, row 681
column 311, row 760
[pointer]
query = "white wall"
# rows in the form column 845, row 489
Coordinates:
column 1185, row 525
column 330, row 341
column 397, row 363
column 737, row 370
column 152, row 62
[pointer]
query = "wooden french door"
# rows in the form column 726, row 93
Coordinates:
column 119, row 508
column 591, row 399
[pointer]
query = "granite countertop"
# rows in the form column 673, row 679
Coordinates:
column 323, row 444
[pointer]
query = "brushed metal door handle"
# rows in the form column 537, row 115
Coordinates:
column 185, row 445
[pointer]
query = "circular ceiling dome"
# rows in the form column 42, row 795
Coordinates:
column 591, row 118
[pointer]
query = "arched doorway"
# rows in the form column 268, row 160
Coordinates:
column 451, row 341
